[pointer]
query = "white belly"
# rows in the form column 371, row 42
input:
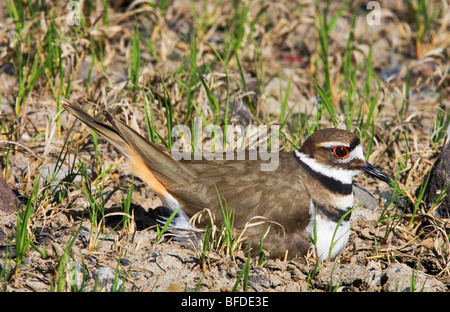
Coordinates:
column 327, row 235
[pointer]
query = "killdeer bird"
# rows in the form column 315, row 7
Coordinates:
column 309, row 195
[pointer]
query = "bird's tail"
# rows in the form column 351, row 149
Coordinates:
column 151, row 162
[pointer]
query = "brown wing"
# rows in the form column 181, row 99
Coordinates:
column 279, row 196
column 245, row 188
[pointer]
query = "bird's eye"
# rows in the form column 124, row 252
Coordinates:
column 340, row 152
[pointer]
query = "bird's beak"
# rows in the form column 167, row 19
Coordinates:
column 374, row 172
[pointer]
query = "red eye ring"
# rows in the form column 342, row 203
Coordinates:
column 340, row 152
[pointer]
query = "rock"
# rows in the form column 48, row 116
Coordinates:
column 125, row 261
column 374, row 278
column 259, row 280
column 44, row 235
column 401, row 278
column 7, row 251
column 105, row 276
column 8, row 200
column 364, row 198
column 337, row 275
column 439, row 181
column 278, row 279
column 2, row 236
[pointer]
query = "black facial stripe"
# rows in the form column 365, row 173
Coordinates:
column 353, row 144
column 331, row 184
column 333, row 214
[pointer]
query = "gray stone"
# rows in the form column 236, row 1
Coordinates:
column 374, row 278
column 438, row 182
column 336, row 275
column 364, row 198
column 399, row 277
column 8, row 200
column 259, row 279
column 105, row 278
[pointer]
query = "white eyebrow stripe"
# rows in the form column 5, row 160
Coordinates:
column 332, row 144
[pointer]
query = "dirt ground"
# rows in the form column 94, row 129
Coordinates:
column 145, row 265
column 405, row 251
